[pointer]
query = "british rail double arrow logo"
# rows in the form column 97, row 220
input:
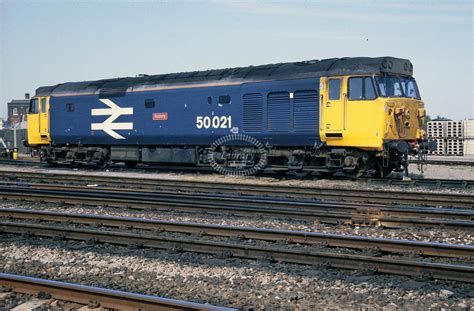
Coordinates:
column 114, row 111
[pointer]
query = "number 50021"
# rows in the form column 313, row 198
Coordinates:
column 215, row 122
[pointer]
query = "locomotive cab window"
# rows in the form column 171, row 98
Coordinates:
column 43, row 105
column 33, row 106
column 361, row 88
column 224, row 99
column 369, row 90
column 149, row 103
column 334, row 89
column 393, row 86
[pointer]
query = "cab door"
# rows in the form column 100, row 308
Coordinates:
column 44, row 117
column 332, row 107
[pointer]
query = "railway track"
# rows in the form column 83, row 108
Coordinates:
column 186, row 186
column 411, row 265
column 274, row 235
column 395, row 181
column 41, row 293
column 326, row 212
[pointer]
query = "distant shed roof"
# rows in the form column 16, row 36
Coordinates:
column 281, row 71
column 19, row 102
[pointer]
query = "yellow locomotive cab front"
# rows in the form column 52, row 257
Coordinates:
column 38, row 121
column 380, row 113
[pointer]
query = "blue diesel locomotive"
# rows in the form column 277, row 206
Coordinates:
column 355, row 115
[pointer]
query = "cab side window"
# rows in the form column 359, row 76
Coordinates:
column 334, row 89
column 355, row 88
column 361, row 88
column 369, row 90
column 34, row 106
column 43, row 105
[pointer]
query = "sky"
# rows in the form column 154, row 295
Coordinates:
column 50, row 42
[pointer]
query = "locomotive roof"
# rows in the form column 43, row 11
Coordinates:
column 238, row 75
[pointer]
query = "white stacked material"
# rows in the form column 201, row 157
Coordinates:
column 436, row 129
column 440, row 147
column 454, row 147
column 454, row 129
column 468, row 135
column 468, row 147
column 468, row 126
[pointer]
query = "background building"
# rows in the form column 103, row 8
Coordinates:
column 14, row 129
column 18, row 111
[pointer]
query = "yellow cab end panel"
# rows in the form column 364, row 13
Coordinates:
column 362, row 122
column 404, row 119
column 38, row 122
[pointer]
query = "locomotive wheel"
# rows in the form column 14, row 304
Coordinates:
column 50, row 162
column 102, row 164
column 354, row 174
column 300, row 173
column 357, row 172
column 383, row 171
column 131, row 164
column 326, row 174
column 280, row 172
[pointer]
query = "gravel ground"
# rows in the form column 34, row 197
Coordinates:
column 443, row 171
column 411, row 233
column 228, row 282
column 233, row 282
column 17, row 299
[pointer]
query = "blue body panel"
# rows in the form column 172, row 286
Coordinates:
column 282, row 113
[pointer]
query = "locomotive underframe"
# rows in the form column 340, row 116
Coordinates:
column 325, row 160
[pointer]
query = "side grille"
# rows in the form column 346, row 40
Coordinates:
column 253, row 112
column 306, row 111
column 279, row 112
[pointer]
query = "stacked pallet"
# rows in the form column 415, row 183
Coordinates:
column 454, row 138
column 454, row 129
column 436, row 130
column 468, row 134
column 449, row 136
column 440, row 146
column 454, row 146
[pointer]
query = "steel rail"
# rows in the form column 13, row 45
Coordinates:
column 378, row 196
column 107, row 298
column 429, row 183
column 325, row 212
column 400, row 266
column 261, row 200
column 445, row 162
column 438, row 183
column 331, row 240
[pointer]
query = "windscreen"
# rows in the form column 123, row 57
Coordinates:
column 395, row 86
column 33, row 106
